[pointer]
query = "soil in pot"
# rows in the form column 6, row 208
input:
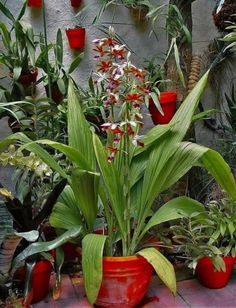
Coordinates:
column 209, row 277
column 125, row 281
column 35, row 3
column 76, row 37
column 168, row 105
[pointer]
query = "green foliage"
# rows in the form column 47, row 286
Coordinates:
column 208, row 233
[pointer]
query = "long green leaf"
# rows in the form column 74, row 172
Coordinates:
column 35, row 148
column 75, row 63
column 85, row 187
column 7, row 12
column 220, row 170
column 93, row 246
column 79, row 134
column 162, row 266
column 112, row 182
column 64, row 217
column 174, row 209
column 45, row 246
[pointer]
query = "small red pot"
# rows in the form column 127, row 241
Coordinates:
column 35, row 3
column 26, row 80
column 209, row 277
column 125, row 281
column 76, row 3
column 76, row 38
column 40, row 279
column 168, row 105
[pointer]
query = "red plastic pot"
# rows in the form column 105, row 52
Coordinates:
column 125, row 281
column 168, row 105
column 76, row 3
column 209, row 277
column 27, row 79
column 40, row 279
column 76, row 37
column 35, row 3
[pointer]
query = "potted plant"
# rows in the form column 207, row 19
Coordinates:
column 133, row 171
column 35, row 3
column 76, row 35
column 18, row 54
column 207, row 241
column 56, row 76
column 164, row 111
column 92, row 104
column 138, row 9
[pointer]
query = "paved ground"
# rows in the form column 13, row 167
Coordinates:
column 190, row 294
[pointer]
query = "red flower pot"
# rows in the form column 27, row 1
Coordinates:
column 76, row 3
column 168, row 105
column 40, row 279
column 35, row 3
column 76, row 38
column 209, row 277
column 125, row 281
column 27, row 79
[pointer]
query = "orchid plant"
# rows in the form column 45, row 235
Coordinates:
column 124, row 176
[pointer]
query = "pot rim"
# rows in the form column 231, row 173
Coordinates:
column 123, row 258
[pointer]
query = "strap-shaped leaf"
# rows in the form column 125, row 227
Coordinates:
column 174, row 209
column 39, row 247
column 85, row 187
column 92, row 245
column 162, row 266
column 112, row 183
column 79, row 133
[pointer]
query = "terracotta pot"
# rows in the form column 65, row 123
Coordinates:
column 76, row 3
column 168, row 105
column 57, row 96
column 125, row 281
column 209, row 277
column 27, row 79
column 35, row 3
column 76, row 38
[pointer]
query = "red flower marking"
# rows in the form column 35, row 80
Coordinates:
column 112, row 154
column 104, row 66
column 119, row 53
column 100, row 50
column 133, row 97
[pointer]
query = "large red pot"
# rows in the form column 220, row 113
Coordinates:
column 209, row 277
column 27, row 79
column 76, row 37
column 168, row 105
column 35, row 3
column 76, row 3
column 125, row 281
